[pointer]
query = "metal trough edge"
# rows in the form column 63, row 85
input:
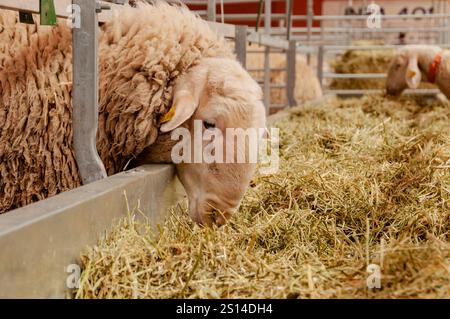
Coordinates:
column 39, row 241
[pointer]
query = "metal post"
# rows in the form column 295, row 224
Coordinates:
column 448, row 31
column 240, row 44
column 291, row 72
column 211, row 10
column 289, row 8
column 85, row 92
column 267, row 27
column 445, row 20
column 309, row 21
column 322, row 32
column 320, row 64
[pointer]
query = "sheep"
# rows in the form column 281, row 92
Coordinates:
column 152, row 59
column 305, row 90
column 413, row 63
column 307, row 85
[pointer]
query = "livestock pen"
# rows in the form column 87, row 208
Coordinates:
column 50, row 233
column 358, row 208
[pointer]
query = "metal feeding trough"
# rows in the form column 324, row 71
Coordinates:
column 40, row 243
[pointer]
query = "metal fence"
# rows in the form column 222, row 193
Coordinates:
column 338, row 33
column 282, row 38
column 333, row 50
column 85, row 66
column 337, row 29
column 273, row 42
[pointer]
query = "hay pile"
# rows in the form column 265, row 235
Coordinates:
column 361, row 181
column 364, row 61
column 361, row 61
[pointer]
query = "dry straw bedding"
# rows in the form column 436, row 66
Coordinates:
column 361, row 181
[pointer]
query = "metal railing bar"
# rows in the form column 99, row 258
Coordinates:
column 383, row 17
column 330, row 48
column 354, row 75
column 60, row 7
column 279, row 16
column 271, row 70
column 268, row 40
column 355, row 30
column 370, row 91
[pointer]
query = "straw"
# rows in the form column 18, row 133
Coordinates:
column 361, row 182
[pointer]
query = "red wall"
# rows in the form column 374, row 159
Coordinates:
column 299, row 8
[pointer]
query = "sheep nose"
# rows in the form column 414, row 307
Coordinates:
column 215, row 217
column 209, row 217
column 213, row 210
column 222, row 218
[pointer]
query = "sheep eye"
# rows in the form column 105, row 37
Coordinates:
column 208, row 125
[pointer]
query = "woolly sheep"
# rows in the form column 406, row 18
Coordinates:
column 415, row 63
column 307, row 86
column 148, row 57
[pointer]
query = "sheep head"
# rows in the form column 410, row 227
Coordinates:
column 218, row 100
column 403, row 72
column 409, row 66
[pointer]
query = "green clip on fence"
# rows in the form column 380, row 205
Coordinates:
column 47, row 12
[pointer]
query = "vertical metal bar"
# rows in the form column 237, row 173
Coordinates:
column 240, row 44
column 349, row 35
column 291, row 73
column 447, row 26
column 446, row 32
column 211, row 10
column 267, row 27
column 309, row 21
column 322, row 32
column 444, row 23
column 289, row 8
column 85, row 93
column 440, row 34
column 320, row 53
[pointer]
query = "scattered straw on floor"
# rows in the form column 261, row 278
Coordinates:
column 362, row 181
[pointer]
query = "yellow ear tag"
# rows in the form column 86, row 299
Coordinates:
column 168, row 116
column 411, row 73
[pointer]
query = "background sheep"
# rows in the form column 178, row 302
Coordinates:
column 414, row 63
column 147, row 55
column 304, row 90
column 307, row 86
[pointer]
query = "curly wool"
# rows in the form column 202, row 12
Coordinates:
column 13, row 35
column 142, row 52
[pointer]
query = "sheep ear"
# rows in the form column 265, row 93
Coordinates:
column 186, row 99
column 182, row 109
column 413, row 74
